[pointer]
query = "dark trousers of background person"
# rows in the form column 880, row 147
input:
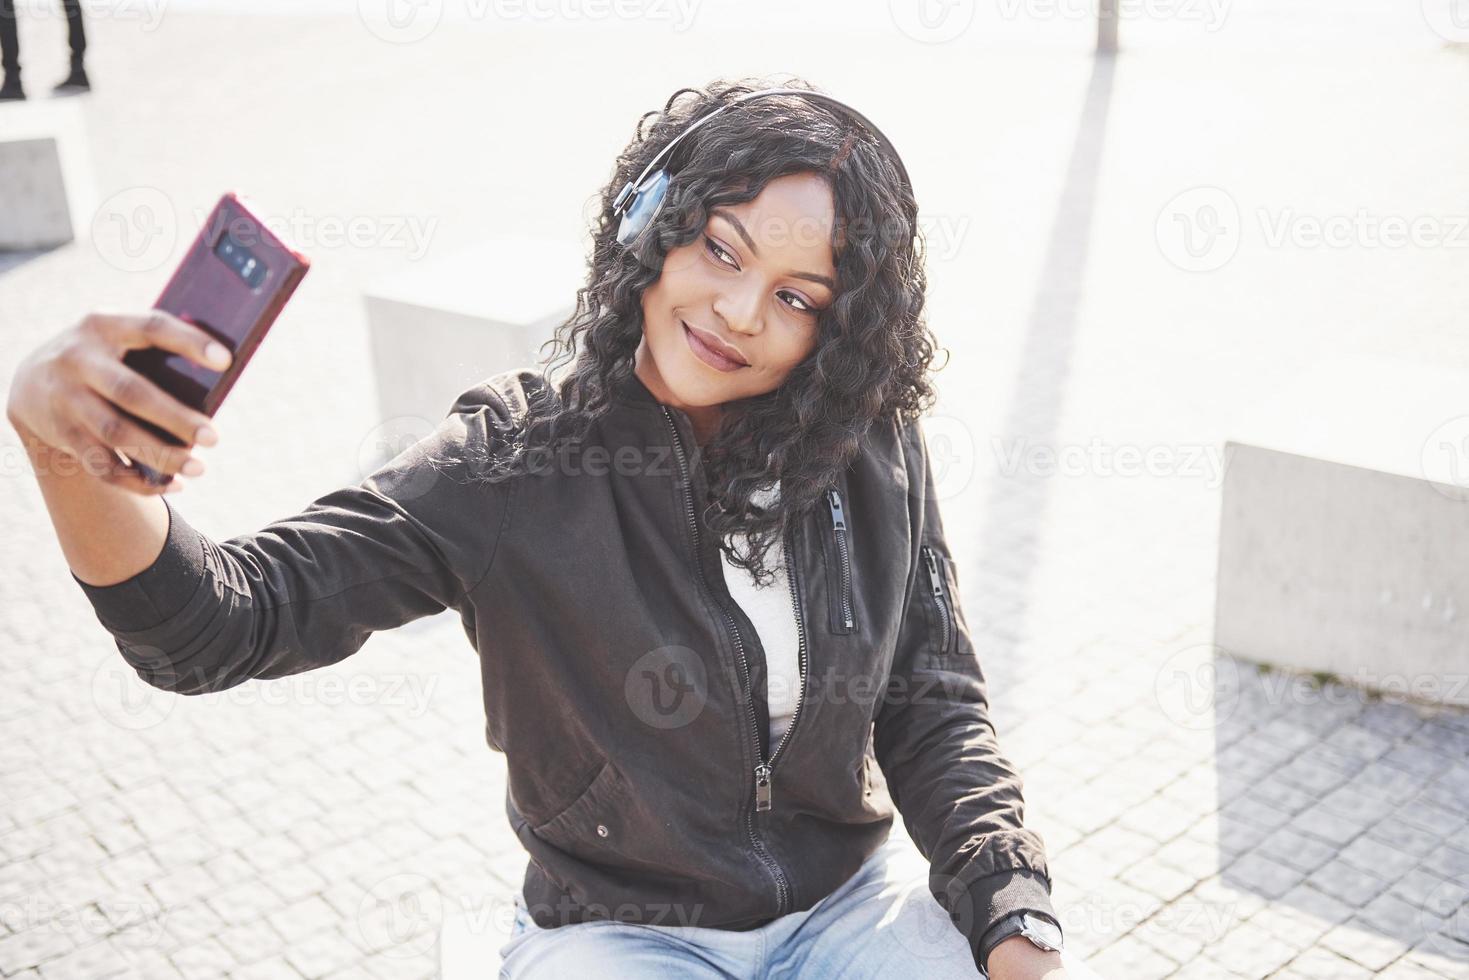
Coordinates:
column 10, row 40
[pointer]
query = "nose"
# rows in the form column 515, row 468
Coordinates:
column 741, row 308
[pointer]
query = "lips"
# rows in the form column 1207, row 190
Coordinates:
column 704, row 343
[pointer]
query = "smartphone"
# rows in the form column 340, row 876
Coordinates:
column 232, row 283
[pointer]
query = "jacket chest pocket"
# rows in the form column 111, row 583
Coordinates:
column 836, row 547
column 949, row 630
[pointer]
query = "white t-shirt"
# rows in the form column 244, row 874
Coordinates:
column 774, row 617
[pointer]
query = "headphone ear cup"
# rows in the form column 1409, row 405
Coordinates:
column 646, row 202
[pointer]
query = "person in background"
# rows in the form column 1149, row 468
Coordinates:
column 10, row 50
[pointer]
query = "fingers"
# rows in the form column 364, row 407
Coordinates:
column 157, row 328
column 130, row 479
column 102, row 463
column 127, row 389
column 110, row 429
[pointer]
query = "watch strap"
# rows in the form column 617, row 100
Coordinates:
column 1012, row 924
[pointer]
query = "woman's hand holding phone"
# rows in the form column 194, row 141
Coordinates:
column 66, row 395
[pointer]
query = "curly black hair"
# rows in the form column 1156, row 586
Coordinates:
column 874, row 349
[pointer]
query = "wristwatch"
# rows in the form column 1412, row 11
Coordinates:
column 1038, row 928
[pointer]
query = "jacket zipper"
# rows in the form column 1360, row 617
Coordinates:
column 762, row 767
column 791, row 577
column 839, row 528
column 936, row 581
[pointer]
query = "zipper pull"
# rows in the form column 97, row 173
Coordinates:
column 762, row 787
column 838, row 519
column 933, row 572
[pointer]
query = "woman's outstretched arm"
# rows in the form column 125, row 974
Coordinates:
column 960, row 797
column 307, row 591
column 193, row 615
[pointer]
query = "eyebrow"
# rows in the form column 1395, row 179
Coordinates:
column 750, row 243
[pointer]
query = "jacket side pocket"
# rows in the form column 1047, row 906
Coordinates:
column 595, row 819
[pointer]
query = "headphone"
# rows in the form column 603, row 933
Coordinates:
column 640, row 200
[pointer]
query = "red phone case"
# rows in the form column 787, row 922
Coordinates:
column 206, row 291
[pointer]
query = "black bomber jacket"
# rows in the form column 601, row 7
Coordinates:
column 623, row 684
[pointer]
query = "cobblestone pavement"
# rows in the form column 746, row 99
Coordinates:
column 1203, row 818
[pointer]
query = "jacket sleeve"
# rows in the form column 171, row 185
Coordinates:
column 960, row 798
column 307, row 591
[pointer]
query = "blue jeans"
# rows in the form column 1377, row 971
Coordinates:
column 881, row 922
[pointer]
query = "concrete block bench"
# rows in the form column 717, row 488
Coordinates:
column 48, row 195
column 1344, row 532
column 448, row 322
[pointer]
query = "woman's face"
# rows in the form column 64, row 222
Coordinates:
column 755, row 280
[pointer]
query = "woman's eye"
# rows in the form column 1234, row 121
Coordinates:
column 716, row 251
column 805, row 307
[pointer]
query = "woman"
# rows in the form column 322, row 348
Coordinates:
column 704, row 569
